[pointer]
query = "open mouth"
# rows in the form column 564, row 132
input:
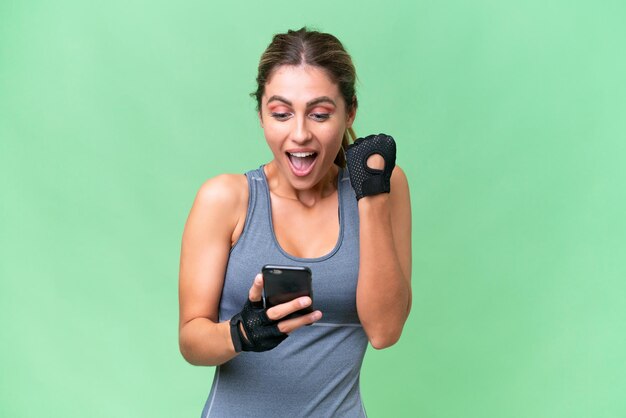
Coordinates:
column 301, row 162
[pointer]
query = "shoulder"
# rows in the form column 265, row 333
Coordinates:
column 399, row 197
column 222, row 201
column 225, row 189
column 399, row 182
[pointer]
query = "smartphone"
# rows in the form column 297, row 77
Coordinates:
column 284, row 283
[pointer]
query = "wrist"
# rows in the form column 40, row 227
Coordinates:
column 374, row 201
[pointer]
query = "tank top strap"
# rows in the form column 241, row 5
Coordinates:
column 258, row 214
column 348, row 208
column 346, row 191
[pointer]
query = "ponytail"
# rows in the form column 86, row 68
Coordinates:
column 348, row 137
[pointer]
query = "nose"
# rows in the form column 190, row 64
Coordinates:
column 301, row 134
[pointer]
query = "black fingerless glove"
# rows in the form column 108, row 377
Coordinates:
column 365, row 180
column 262, row 333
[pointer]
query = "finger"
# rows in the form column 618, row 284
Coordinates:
column 279, row 311
column 376, row 161
column 289, row 325
column 256, row 291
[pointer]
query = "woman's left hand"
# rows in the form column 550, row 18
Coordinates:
column 366, row 179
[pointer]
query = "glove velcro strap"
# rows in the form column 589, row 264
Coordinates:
column 375, row 185
column 235, row 333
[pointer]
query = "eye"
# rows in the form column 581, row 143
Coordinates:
column 320, row 117
column 280, row 116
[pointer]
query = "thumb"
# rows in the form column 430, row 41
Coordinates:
column 256, row 291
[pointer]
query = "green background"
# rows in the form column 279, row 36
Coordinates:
column 510, row 123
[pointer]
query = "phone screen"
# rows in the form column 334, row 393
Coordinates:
column 284, row 283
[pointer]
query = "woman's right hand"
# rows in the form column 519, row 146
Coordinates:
column 258, row 329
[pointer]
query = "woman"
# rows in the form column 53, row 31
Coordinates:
column 350, row 227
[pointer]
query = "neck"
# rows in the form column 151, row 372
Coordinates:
column 280, row 186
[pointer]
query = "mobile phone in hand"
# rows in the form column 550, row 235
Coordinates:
column 285, row 283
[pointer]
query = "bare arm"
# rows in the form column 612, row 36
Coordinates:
column 214, row 223
column 384, row 287
column 204, row 256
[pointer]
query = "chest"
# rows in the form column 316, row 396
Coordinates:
column 306, row 232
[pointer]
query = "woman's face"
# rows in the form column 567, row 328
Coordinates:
column 304, row 117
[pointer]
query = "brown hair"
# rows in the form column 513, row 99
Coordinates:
column 317, row 49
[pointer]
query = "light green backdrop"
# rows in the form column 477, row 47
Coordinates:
column 510, row 123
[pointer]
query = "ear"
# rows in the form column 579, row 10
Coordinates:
column 260, row 118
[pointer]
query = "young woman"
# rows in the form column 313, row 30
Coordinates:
column 351, row 227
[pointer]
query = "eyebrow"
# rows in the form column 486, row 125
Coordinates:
column 322, row 99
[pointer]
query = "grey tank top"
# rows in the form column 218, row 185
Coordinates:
column 315, row 371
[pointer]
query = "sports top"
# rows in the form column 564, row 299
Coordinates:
column 315, row 371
